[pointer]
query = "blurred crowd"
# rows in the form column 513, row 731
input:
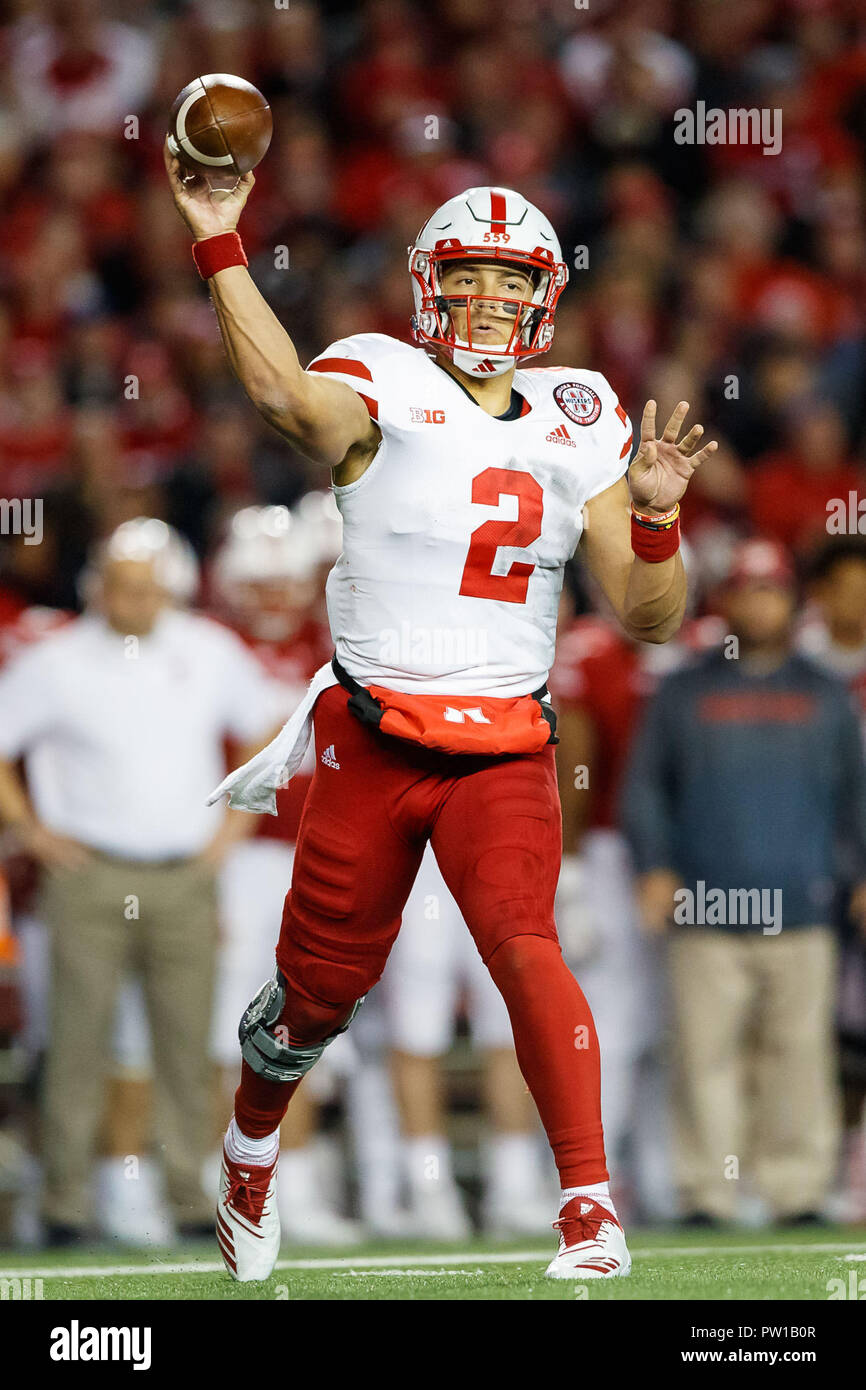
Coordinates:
column 717, row 274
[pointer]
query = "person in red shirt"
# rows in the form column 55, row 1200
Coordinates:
column 791, row 490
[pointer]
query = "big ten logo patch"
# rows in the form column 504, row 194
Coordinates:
column 419, row 416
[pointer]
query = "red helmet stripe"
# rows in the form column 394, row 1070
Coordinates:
column 497, row 212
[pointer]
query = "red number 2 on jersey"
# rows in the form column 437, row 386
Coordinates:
column 478, row 580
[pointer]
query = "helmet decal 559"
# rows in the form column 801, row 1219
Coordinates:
column 495, row 225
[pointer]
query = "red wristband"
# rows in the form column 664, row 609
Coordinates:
column 217, row 253
column 654, row 545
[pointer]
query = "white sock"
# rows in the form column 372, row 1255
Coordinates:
column 512, row 1167
column 376, row 1132
column 428, row 1163
column 598, row 1192
column 258, row 1153
column 297, row 1179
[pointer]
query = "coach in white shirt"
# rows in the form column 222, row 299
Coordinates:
column 121, row 719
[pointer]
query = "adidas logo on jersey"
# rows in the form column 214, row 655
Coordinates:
column 329, row 757
column 560, row 436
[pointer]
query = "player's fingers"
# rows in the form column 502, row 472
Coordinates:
column 648, row 422
column 674, row 424
column 646, row 455
column 708, row 450
column 690, row 442
column 244, row 187
column 174, row 170
column 172, row 163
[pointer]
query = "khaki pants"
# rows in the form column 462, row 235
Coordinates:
column 104, row 919
column 754, row 1067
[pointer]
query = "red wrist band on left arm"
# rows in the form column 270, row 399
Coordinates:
column 654, row 544
column 218, row 253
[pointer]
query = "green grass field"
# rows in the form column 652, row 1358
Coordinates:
column 668, row 1265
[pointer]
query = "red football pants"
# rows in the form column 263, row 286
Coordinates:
column 495, row 827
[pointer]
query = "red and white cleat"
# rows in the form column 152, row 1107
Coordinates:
column 247, row 1223
column 591, row 1243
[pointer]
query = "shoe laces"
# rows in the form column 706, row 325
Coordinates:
column 248, row 1195
column 582, row 1227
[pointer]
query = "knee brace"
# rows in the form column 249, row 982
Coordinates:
column 263, row 1047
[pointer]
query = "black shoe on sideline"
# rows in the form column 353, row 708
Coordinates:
column 57, row 1236
column 802, row 1218
column 196, row 1230
column 701, row 1220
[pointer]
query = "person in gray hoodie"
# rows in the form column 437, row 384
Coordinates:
column 745, row 805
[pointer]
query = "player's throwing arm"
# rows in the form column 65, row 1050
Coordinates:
column 325, row 419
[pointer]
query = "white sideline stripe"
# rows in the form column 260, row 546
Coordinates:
column 359, row 1264
column 408, row 1273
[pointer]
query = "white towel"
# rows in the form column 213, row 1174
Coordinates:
column 254, row 786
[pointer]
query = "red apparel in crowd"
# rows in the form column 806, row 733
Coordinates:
column 609, row 677
column 788, row 500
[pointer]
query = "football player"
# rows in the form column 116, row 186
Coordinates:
column 465, row 482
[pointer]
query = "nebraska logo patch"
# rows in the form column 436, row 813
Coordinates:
column 579, row 403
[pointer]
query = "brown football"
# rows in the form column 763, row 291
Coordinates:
column 220, row 125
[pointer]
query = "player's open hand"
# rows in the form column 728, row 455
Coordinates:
column 661, row 468
column 205, row 213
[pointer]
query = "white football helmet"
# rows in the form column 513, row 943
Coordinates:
column 146, row 538
column 490, row 224
column 265, row 570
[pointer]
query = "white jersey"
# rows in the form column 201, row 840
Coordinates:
column 456, row 537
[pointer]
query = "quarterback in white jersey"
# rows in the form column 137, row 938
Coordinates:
column 465, row 482
column 447, row 520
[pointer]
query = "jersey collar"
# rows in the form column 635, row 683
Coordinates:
column 517, row 407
